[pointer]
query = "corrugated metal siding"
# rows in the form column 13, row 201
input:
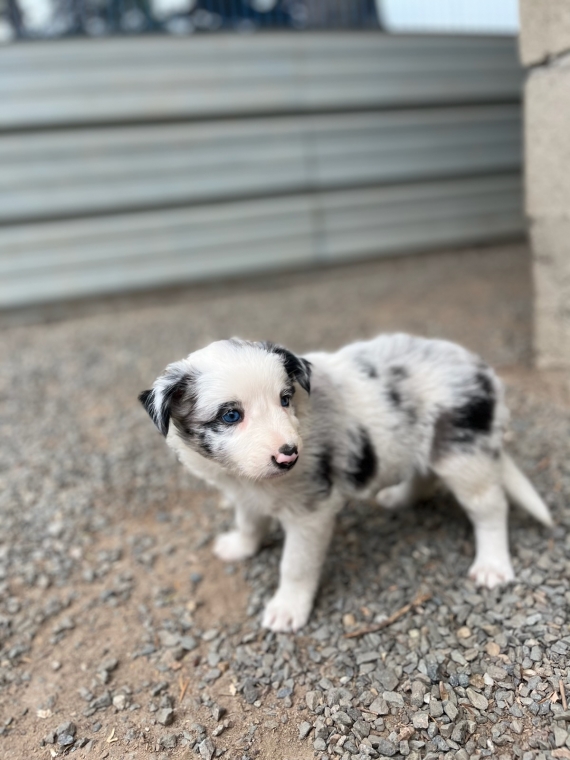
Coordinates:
column 77, row 81
column 214, row 159
column 86, row 256
column 66, row 173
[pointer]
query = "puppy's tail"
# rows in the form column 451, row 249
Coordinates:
column 522, row 493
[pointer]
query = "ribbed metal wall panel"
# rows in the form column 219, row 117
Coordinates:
column 68, row 173
column 56, row 260
column 74, row 82
column 134, row 163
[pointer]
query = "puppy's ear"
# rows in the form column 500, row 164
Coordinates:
column 167, row 388
column 297, row 368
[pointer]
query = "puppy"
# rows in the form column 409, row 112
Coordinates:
column 295, row 437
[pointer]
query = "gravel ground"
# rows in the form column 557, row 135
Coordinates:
column 122, row 637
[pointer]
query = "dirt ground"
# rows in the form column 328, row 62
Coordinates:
column 105, row 542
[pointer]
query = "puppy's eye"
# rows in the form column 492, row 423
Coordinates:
column 285, row 400
column 232, row 416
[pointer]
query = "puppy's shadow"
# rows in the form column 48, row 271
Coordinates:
column 379, row 557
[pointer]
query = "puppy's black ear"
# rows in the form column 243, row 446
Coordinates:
column 166, row 389
column 297, row 368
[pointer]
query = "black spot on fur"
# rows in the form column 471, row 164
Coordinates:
column 204, row 444
column 477, row 414
column 397, row 394
column 466, row 424
column 398, row 372
column 297, row 369
column 363, row 464
column 396, row 375
column 394, row 396
column 367, row 367
column 324, row 473
column 485, row 384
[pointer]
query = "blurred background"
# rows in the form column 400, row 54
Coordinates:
column 151, row 143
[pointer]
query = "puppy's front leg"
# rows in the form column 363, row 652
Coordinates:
column 306, row 541
column 245, row 540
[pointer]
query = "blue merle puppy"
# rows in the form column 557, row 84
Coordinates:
column 293, row 438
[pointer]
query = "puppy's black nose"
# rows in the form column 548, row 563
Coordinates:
column 288, row 450
column 286, row 457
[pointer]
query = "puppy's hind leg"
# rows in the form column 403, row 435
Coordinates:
column 245, row 540
column 406, row 493
column 475, row 480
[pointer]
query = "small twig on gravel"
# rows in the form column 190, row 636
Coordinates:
column 420, row 599
column 183, row 686
column 563, row 694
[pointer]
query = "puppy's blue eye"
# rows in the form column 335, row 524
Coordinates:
column 285, row 400
column 231, row 417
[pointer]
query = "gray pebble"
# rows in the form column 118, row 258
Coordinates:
column 420, row 720
column 100, row 703
column 109, row 664
column 386, row 747
column 342, row 718
column 312, row 698
column 250, row 692
column 69, row 729
column 206, row 749
column 479, row 701
column 65, row 739
column 393, row 698
column 188, row 643
column 435, row 708
column 168, row 741
column 450, row 710
column 304, row 729
column 560, row 736
column 168, row 639
column 165, row 716
column 379, row 706
column 361, row 729
column 418, row 691
column 85, row 694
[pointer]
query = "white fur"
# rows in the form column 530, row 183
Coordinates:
column 385, row 419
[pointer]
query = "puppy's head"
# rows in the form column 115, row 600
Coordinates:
column 234, row 402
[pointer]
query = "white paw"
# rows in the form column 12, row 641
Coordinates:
column 393, row 497
column 287, row 611
column 491, row 574
column 233, row 546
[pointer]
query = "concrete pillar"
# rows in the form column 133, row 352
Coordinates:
column 545, row 51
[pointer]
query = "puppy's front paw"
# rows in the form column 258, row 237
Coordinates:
column 288, row 610
column 491, row 574
column 234, row 546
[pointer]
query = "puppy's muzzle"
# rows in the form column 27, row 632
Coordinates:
column 286, row 458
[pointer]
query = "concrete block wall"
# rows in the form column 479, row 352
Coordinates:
column 545, row 51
